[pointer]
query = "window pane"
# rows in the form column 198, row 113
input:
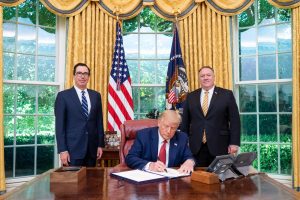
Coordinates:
column 46, row 130
column 247, row 98
column 269, row 158
column 163, row 25
column 284, row 37
column 160, row 93
column 286, row 159
column 25, row 133
column 247, row 68
column 136, row 99
column 283, row 15
column 26, row 41
column 130, row 25
column 164, row 44
column 147, row 20
column 266, row 12
column 46, row 42
column 130, row 43
column 285, row 97
column 147, row 72
column 27, row 12
column 9, row 161
column 268, row 128
column 9, row 129
column 147, row 46
column 45, row 158
column 24, row 161
column 9, row 66
column 46, row 97
column 285, row 128
column 247, row 18
column 9, row 37
column 285, row 63
column 266, row 40
column 26, row 99
column 9, row 99
column 9, row 13
column 46, row 68
column 133, row 70
column 267, row 67
column 250, row 148
column 267, row 98
column 161, row 72
column 147, row 99
column 46, row 18
column 249, row 128
column 25, row 67
column 247, row 41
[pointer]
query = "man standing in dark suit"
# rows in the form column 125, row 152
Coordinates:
column 211, row 119
column 160, row 147
column 78, row 122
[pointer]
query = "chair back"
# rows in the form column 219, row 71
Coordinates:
column 128, row 133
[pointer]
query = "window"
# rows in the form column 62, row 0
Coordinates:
column 264, row 85
column 147, row 44
column 30, row 87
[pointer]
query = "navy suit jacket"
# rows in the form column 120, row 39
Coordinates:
column 145, row 149
column 221, row 123
column 74, row 132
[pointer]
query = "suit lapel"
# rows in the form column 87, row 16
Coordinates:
column 92, row 100
column 154, row 143
column 77, row 101
column 213, row 99
column 173, row 148
column 198, row 103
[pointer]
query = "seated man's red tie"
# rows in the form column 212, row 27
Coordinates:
column 162, row 152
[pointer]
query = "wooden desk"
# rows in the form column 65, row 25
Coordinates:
column 110, row 158
column 99, row 185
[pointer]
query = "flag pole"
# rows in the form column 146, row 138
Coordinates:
column 175, row 53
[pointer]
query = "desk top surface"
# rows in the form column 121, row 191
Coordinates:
column 99, row 185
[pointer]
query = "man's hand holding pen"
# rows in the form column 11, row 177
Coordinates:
column 157, row 166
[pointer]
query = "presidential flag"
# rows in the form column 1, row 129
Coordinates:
column 177, row 83
column 120, row 102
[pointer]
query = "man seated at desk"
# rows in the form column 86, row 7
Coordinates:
column 160, row 147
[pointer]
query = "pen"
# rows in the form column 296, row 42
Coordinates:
column 161, row 161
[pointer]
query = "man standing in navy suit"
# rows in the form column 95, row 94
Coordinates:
column 160, row 147
column 78, row 122
column 211, row 119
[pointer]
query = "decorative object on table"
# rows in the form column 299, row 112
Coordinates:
column 112, row 139
column 68, row 175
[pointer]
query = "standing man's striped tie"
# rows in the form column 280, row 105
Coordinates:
column 205, row 109
column 84, row 104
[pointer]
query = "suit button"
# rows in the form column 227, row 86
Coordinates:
column 86, row 132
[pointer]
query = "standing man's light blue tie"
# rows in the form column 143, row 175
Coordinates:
column 84, row 104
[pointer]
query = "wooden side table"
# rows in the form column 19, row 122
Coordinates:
column 110, row 158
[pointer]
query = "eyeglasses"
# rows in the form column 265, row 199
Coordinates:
column 85, row 74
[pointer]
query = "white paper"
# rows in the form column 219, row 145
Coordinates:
column 171, row 173
column 138, row 175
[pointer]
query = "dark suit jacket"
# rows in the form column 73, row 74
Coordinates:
column 145, row 149
column 222, row 122
column 74, row 132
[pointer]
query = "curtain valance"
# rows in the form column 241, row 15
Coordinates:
column 125, row 9
column 285, row 3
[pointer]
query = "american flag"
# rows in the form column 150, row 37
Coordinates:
column 177, row 83
column 120, row 103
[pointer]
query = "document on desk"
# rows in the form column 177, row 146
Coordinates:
column 138, row 176
column 170, row 173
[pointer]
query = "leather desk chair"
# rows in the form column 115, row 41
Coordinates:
column 128, row 132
